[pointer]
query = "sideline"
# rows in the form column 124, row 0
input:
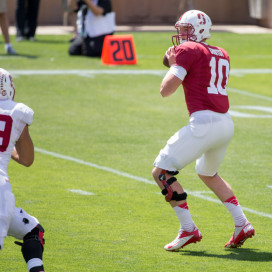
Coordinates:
column 64, row 30
column 160, row 73
column 267, row 98
column 127, row 175
column 89, row 72
column 237, row 72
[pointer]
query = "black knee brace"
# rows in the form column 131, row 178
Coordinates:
column 32, row 247
column 168, row 191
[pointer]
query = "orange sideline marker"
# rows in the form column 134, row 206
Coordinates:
column 119, row 50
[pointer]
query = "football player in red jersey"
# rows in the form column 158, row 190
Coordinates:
column 16, row 143
column 203, row 71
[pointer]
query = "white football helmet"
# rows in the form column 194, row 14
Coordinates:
column 193, row 25
column 7, row 88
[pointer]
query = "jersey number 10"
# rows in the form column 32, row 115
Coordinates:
column 219, row 76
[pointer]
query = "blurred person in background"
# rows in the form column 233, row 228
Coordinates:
column 95, row 20
column 5, row 28
column 70, row 8
column 26, row 15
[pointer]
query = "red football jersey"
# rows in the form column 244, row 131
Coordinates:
column 207, row 76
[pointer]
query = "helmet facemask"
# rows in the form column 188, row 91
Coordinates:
column 185, row 33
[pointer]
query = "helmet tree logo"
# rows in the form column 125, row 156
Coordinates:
column 11, row 82
column 201, row 17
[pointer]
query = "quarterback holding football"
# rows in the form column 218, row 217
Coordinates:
column 203, row 72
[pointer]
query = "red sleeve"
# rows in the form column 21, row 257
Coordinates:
column 185, row 55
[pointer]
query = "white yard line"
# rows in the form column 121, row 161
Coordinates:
column 137, row 178
column 250, row 71
column 250, row 115
column 234, row 72
column 88, row 72
column 77, row 191
column 263, row 97
column 108, row 169
column 160, row 73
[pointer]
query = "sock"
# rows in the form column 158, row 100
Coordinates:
column 36, row 268
column 32, row 249
column 184, row 216
column 7, row 45
column 2, row 239
column 235, row 209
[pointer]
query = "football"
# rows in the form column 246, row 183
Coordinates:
column 165, row 61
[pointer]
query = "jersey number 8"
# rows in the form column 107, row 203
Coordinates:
column 5, row 131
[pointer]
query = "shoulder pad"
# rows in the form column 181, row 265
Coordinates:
column 24, row 113
column 188, row 47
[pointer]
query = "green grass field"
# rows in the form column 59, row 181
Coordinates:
column 104, row 132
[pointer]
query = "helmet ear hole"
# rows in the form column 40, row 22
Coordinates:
column 201, row 31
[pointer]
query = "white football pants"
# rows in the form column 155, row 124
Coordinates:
column 13, row 221
column 204, row 140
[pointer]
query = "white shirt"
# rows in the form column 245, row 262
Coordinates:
column 97, row 25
